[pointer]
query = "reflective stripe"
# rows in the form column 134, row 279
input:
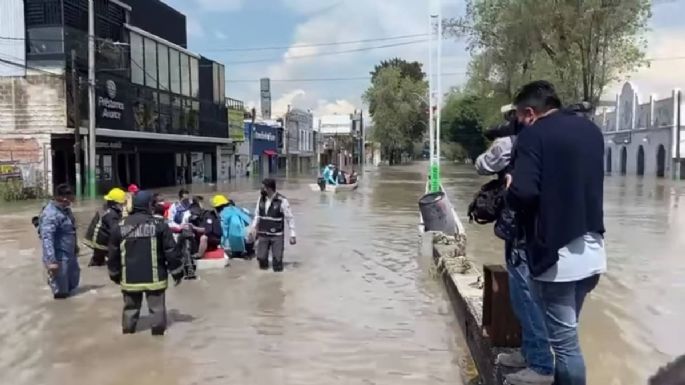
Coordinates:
column 161, row 285
column 269, row 234
column 177, row 270
column 279, row 219
column 123, row 262
column 94, row 245
column 153, row 252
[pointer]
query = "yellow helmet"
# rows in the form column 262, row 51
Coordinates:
column 116, row 195
column 219, row 200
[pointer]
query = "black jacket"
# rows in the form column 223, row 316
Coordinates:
column 100, row 228
column 558, row 185
column 142, row 253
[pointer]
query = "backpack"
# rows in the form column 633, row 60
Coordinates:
column 181, row 209
column 487, row 203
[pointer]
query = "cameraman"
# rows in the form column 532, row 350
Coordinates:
column 535, row 358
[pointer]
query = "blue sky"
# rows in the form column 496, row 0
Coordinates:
column 219, row 24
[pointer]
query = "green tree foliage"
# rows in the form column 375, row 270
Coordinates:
column 398, row 111
column 579, row 45
column 462, row 122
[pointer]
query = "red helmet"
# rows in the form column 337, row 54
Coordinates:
column 132, row 188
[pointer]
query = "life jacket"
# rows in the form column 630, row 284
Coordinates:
column 271, row 221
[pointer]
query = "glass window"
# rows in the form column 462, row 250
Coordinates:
column 164, row 112
column 163, row 64
column 185, row 75
column 215, row 82
column 150, row 63
column 45, row 40
column 194, row 78
column 176, row 114
column 175, row 80
column 137, row 73
column 195, row 119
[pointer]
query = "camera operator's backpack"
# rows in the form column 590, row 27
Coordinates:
column 487, row 203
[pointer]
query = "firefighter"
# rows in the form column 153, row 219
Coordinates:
column 142, row 254
column 100, row 228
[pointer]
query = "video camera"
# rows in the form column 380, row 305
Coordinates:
column 511, row 126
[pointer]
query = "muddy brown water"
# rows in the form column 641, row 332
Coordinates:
column 633, row 322
column 354, row 306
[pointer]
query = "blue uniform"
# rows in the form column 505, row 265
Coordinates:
column 234, row 224
column 57, row 230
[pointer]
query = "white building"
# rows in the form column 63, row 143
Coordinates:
column 640, row 139
column 340, row 137
column 300, row 149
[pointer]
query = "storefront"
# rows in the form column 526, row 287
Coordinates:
column 265, row 148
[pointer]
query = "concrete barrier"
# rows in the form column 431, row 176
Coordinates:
column 464, row 285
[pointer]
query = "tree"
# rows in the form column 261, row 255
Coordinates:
column 412, row 70
column 463, row 122
column 398, row 111
column 579, row 45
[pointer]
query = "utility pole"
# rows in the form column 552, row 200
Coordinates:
column 75, row 105
column 677, row 172
column 439, row 91
column 250, row 157
column 287, row 142
column 91, row 100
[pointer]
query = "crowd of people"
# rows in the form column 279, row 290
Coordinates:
column 550, row 172
column 141, row 239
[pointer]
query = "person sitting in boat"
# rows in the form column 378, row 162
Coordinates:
column 342, row 177
column 353, row 177
column 235, row 227
column 334, row 175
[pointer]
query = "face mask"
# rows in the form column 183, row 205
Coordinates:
column 263, row 192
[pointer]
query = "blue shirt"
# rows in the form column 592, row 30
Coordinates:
column 582, row 258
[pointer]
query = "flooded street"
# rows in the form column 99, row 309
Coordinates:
column 354, row 306
column 633, row 322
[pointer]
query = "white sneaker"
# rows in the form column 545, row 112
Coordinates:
column 528, row 376
column 511, row 360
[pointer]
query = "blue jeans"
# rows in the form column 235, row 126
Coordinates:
column 526, row 305
column 562, row 302
column 67, row 278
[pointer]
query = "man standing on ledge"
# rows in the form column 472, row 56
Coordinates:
column 273, row 210
column 556, row 189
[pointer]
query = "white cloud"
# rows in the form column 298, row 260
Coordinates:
column 194, row 27
column 342, row 107
column 220, row 5
column 220, row 35
column 280, row 105
column 662, row 76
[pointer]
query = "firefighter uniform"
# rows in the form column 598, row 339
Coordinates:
column 141, row 257
column 100, row 228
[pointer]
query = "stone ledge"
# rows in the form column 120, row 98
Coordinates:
column 466, row 295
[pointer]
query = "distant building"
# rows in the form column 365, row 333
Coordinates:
column 640, row 139
column 341, row 136
column 161, row 115
column 299, row 132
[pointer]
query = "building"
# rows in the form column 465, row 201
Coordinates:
column 640, row 139
column 265, row 138
column 341, row 136
column 161, row 114
column 299, row 132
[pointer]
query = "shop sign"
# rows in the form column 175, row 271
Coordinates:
column 622, row 138
column 236, row 125
column 110, row 107
column 263, row 135
column 109, row 145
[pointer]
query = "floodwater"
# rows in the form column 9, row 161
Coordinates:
column 354, row 306
column 633, row 322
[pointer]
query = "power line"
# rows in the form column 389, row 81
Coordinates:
column 327, row 53
column 316, row 44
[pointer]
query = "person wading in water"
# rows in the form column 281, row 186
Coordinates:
column 273, row 210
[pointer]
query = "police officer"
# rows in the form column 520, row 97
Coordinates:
column 142, row 254
column 97, row 235
column 273, row 210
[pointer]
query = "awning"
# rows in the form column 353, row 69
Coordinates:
column 270, row 153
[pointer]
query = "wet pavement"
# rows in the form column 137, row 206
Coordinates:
column 633, row 322
column 354, row 306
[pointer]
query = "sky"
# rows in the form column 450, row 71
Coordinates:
column 219, row 29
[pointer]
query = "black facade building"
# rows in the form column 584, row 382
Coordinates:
column 161, row 115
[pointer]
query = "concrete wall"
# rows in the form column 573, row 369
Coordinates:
column 32, row 108
column 645, row 132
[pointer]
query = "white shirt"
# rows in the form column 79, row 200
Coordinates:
column 582, row 258
column 285, row 209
